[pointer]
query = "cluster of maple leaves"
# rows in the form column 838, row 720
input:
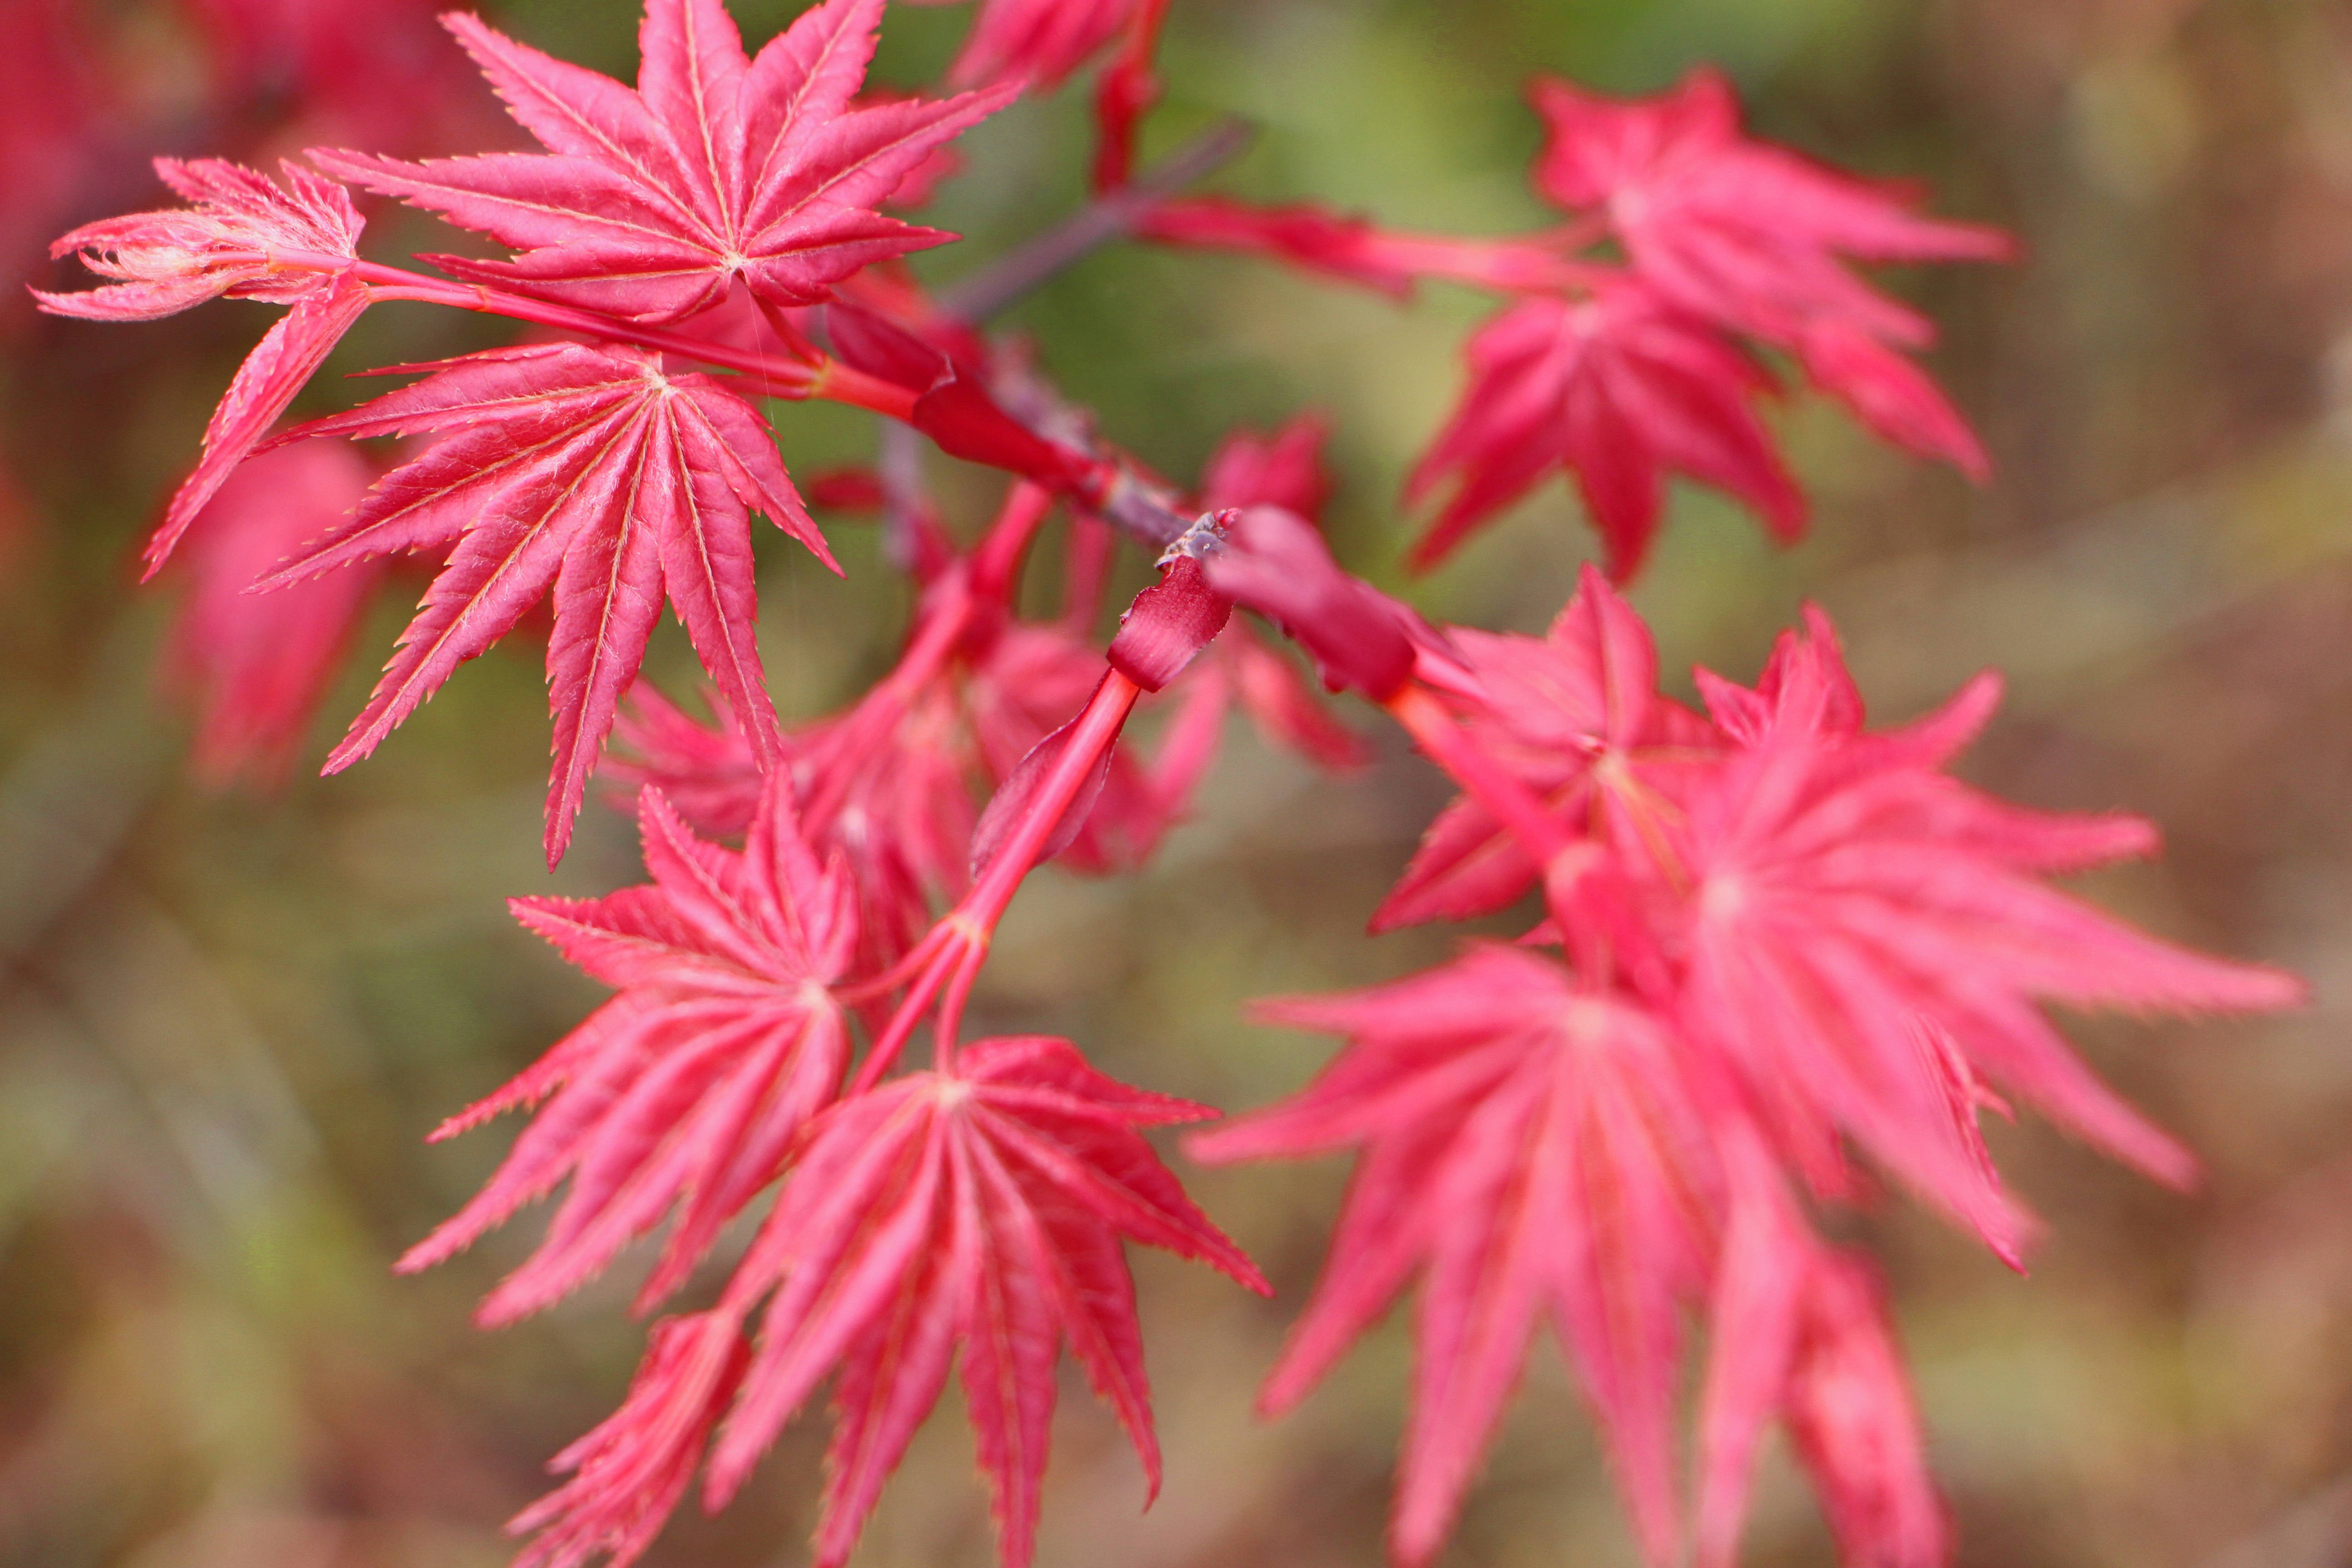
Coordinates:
column 1772, row 939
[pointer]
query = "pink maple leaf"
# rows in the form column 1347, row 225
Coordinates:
column 1869, row 938
column 235, row 240
column 685, row 1091
column 649, row 205
column 258, row 666
column 1532, row 1149
column 590, row 472
column 228, row 242
column 982, row 1208
column 1618, row 390
column 1577, row 716
column 1755, row 236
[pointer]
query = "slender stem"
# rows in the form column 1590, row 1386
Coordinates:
column 910, row 964
column 1115, row 492
column 399, row 283
column 1123, row 497
column 828, row 379
column 791, row 337
column 947, row 1030
column 996, row 560
column 957, row 947
column 1511, row 265
column 901, row 1028
column 1098, row 727
column 1106, row 218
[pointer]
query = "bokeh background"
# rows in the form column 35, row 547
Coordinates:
column 227, row 1018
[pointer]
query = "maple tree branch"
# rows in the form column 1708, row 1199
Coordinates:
column 1107, row 218
column 996, row 560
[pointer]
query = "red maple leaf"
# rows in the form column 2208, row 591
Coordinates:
column 1618, row 390
column 1754, row 235
column 230, row 243
column 649, row 205
column 258, row 666
column 687, row 1089
column 590, row 472
column 983, row 1208
column 1533, row 1150
column 1577, row 716
column 1868, row 937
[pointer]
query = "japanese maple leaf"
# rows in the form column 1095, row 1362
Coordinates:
column 233, row 241
column 1577, row 716
column 257, row 667
column 649, row 205
column 1870, row 939
column 1754, row 235
column 590, row 472
column 1618, row 390
column 1534, row 1150
column 982, row 1208
column 685, row 1090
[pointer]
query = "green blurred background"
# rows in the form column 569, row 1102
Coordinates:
column 227, row 1021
